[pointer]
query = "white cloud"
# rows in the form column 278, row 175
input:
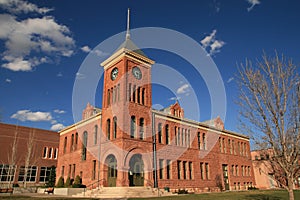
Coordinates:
column 174, row 98
column 59, row 74
column 253, row 3
column 211, row 44
column 21, row 6
column 7, row 80
column 98, row 52
column 183, row 89
column 230, row 79
column 57, row 127
column 27, row 41
column 27, row 115
column 216, row 46
column 86, row 49
column 59, row 111
column 208, row 39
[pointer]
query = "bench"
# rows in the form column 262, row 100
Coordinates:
column 6, row 190
column 49, row 190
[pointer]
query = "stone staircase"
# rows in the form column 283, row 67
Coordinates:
column 123, row 192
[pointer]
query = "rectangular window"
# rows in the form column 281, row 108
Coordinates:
column 179, row 140
column 167, row 134
column 134, row 93
column 44, row 174
column 94, row 170
column 65, row 144
column 184, row 169
column 132, row 127
column 182, row 137
column 159, row 133
column 229, row 145
column 95, row 134
column 168, row 169
column 224, row 145
column 76, row 140
column 72, row 142
column 207, row 171
column 50, row 153
column 7, row 173
column 237, row 170
column 161, row 171
column 204, row 141
column 143, row 96
column 199, row 141
column 45, row 152
column 202, row 171
column 190, row 170
column 55, row 153
column 176, row 139
column 108, row 97
column 30, row 176
column 232, row 170
column 129, row 91
column 179, row 169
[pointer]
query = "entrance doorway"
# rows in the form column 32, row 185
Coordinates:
column 112, row 171
column 136, row 171
column 225, row 176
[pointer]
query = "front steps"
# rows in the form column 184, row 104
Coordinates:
column 123, row 192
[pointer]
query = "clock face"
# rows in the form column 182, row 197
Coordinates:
column 114, row 73
column 137, row 73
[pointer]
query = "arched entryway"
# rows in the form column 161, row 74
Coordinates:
column 136, row 171
column 112, row 172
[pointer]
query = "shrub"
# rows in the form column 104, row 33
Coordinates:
column 77, row 182
column 182, row 191
column 68, row 182
column 60, row 182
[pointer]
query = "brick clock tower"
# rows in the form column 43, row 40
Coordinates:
column 126, row 151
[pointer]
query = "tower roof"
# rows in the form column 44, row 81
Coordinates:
column 129, row 45
column 127, row 48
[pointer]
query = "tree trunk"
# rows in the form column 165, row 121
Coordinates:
column 290, row 188
column 291, row 194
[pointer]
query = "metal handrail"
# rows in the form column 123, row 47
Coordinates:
column 92, row 184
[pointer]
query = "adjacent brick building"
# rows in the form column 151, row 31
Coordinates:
column 14, row 144
column 127, row 143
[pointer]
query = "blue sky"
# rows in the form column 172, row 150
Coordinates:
column 43, row 44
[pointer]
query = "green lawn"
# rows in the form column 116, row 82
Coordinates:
column 247, row 195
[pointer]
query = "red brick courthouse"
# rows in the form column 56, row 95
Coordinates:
column 115, row 145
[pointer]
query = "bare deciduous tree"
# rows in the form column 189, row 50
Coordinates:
column 30, row 158
column 270, row 113
column 12, row 157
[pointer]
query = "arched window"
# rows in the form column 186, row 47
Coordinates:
column 159, row 133
column 84, row 145
column 134, row 94
column 108, row 129
column 143, row 96
column 65, row 144
column 132, row 127
column 199, row 141
column 138, row 95
column 115, row 126
column 76, row 140
column 204, row 141
column 141, row 128
column 72, row 143
column 95, row 134
column 108, row 97
column 129, row 92
column 167, row 134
